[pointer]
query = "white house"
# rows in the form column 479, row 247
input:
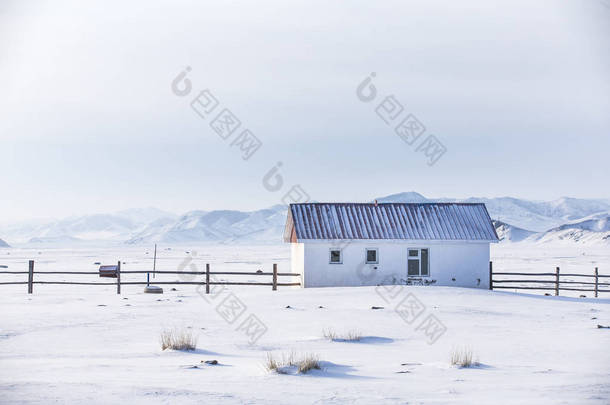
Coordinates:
column 349, row 244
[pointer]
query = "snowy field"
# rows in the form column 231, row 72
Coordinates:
column 80, row 344
column 543, row 258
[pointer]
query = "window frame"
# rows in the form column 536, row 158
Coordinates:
column 330, row 255
column 418, row 258
column 366, row 256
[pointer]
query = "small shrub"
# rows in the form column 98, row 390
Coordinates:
column 309, row 362
column 271, row 364
column 302, row 365
column 178, row 339
column 329, row 334
column 463, row 357
column 353, row 336
column 350, row 336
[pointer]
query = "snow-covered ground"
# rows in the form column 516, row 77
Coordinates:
column 79, row 344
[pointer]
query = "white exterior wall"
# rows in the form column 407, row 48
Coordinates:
column 297, row 260
column 466, row 262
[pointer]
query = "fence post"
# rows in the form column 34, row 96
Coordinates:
column 596, row 281
column 207, row 278
column 491, row 272
column 274, row 288
column 556, row 281
column 118, row 278
column 31, row 277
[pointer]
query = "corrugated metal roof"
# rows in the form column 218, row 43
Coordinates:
column 421, row 221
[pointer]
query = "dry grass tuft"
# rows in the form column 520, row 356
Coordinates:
column 353, row 336
column 303, row 365
column 178, row 339
column 329, row 334
column 463, row 357
column 271, row 364
column 350, row 336
column 309, row 362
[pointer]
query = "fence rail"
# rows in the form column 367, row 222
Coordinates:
column 556, row 285
column 207, row 282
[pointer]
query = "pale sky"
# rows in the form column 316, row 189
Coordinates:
column 517, row 91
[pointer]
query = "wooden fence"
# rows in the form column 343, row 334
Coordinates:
column 555, row 284
column 273, row 283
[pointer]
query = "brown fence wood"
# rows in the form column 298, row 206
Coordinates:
column 160, row 272
column 119, row 282
column 583, row 282
column 157, row 282
column 31, row 277
column 118, row 278
column 68, row 272
column 77, row 282
column 557, row 281
column 228, row 273
column 491, row 270
column 522, row 274
column 496, row 287
column 552, row 282
column 556, row 284
column 596, row 282
column 207, row 278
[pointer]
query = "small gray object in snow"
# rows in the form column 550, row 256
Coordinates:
column 376, row 307
column 211, row 362
column 153, row 289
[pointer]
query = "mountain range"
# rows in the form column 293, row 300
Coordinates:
column 565, row 219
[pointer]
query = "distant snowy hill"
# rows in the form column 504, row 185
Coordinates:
column 407, row 197
column 510, row 233
column 590, row 230
column 596, row 223
column 3, row 244
column 97, row 227
column 565, row 219
column 195, row 226
column 55, row 241
column 536, row 216
column 144, row 216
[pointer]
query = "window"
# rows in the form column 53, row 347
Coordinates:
column 418, row 262
column 335, row 256
column 371, row 256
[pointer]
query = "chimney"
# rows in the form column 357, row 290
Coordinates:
column 375, row 203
